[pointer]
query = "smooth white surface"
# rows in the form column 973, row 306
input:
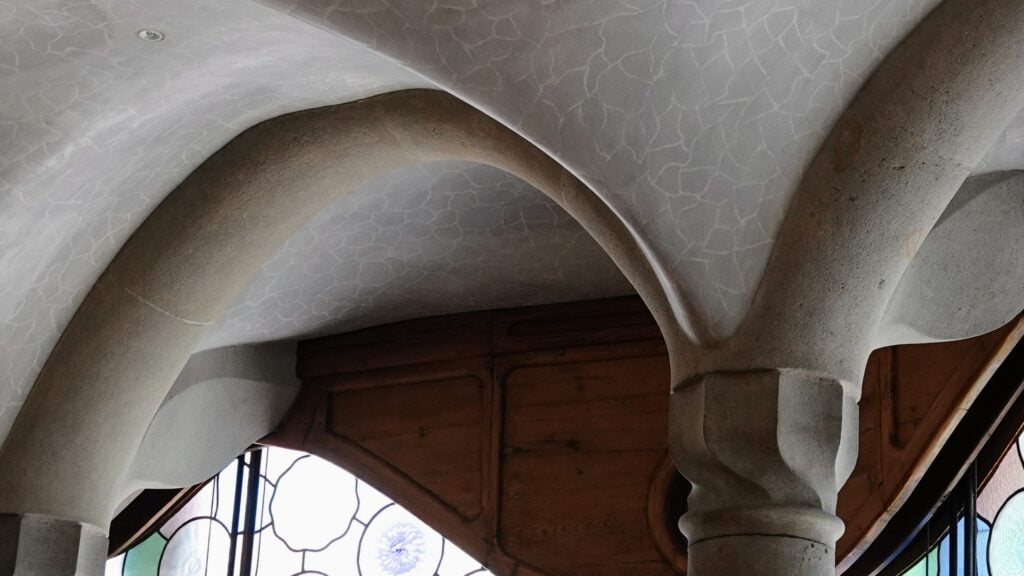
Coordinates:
column 427, row 240
column 97, row 126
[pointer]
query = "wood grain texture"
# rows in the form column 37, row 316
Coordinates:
column 433, row 431
column 914, row 396
column 535, row 438
column 582, row 441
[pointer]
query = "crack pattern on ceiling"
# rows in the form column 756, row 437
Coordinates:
column 97, row 126
column 424, row 240
column 693, row 119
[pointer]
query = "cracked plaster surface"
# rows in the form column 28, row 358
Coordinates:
column 424, row 240
column 693, row 119
column 97, row 126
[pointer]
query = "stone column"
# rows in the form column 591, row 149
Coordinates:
column 767, row 452
column 35, row 545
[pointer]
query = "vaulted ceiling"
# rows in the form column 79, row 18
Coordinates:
column 693, row 121
column 420, row 241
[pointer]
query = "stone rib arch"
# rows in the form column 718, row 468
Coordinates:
column 108, row 374
column 879, row 184
column 968, row 277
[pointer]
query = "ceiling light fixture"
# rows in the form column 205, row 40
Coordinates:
column 150, row 35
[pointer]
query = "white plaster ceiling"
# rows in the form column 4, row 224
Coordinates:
column 97, row 126
column 424, row 240
column 1007, row 153
column 693, row 120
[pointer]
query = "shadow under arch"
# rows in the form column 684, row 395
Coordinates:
column 78, row 430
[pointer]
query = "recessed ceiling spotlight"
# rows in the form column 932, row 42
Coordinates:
column 150, row 35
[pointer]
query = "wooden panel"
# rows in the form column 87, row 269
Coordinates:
column 431, row 431
column 922, row 374
column 913, row 398
column 605, row 406
column 581, row 444
column 532, row 436
column 580, row 513
column 563, row 326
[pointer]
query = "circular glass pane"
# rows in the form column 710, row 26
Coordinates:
column 313, row 504
column 1005, row 553
column 198, row 548
column 396, row 543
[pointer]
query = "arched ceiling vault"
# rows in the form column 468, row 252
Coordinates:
column 169, row 283
column 425, row 240
column 694, row 120
column 97, row 126
column 704, row 125
column 733, row 159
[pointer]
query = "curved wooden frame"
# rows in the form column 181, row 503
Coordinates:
column 316, row 440
column 915, row 397
column 983, row 436
column 502, row 429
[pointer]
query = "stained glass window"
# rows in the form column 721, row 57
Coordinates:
column 298, row 515
column 1000, row 527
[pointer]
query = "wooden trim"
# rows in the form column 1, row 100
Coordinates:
column 399, row 487
column 492, row 454
column 300, row 419
column 399, row 375
column 887, row 398
column 144, row 516
column 925, row 447
column 663, row 517
column 977, row 436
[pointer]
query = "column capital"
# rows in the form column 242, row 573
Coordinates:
column 37, row 545
column 766, row 452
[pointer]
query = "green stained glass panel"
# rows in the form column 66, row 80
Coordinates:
column 144, row 559
column 927, row 566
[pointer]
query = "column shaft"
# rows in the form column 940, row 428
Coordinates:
column 35, row 545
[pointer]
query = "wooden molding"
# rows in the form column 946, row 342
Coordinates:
column 914, row 397
column 536, row 438
column 144, row 516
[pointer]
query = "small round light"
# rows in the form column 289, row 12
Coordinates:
column 150, row 35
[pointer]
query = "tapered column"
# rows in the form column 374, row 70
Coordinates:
column 35, row 545
column 767, row 452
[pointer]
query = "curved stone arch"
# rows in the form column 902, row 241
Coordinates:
column 880, row 183
column 85, row 416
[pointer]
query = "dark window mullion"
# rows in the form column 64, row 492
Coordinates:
column 251, row 501
column 236, row 508
column 954, row 521
column 971, row 522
